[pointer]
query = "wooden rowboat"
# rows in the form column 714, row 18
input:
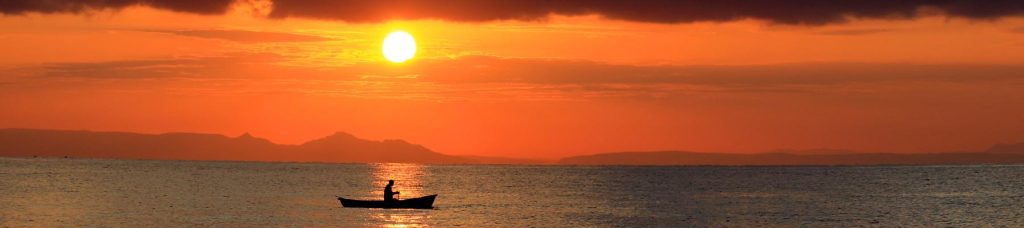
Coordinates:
column 426, row 202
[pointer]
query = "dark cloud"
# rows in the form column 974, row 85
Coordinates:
column 249, row 36
column 78, row 6
column 657, row 11
column 809, row 12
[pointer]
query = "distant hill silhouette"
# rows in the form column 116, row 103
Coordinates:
column 695, row 158
column 814, row 151
column 340, row 147
column 504, row 160
column 1007, row 148
column 346, row 148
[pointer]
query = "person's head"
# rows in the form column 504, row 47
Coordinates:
column 391, row 182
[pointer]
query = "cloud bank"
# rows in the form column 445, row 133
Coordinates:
column 807, row 12
column 80, row 6
column 657, row 11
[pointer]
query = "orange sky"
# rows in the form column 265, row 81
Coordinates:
column 547, row 87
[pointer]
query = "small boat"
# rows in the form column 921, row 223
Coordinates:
column 426, row 202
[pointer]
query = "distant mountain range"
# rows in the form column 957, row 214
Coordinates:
column 339, row 147
column 346, row 148
column 998, row 154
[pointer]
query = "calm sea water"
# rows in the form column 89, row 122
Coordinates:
column 82, row 192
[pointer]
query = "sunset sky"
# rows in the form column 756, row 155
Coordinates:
column 529, row 78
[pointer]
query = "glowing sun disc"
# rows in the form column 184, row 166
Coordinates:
column 399, row 46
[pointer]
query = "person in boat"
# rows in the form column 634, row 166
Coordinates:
column 389, row 195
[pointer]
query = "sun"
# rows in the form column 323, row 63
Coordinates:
column 399, row 46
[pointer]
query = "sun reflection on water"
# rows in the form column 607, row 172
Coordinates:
column 402, row 218
column 408, row 181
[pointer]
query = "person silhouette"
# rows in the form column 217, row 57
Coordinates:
column 389, row 195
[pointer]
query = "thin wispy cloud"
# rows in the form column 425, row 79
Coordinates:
column 243, row 36
column 492, row 77
column 853, row 32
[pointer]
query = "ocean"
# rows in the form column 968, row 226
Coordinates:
column 91, row 192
